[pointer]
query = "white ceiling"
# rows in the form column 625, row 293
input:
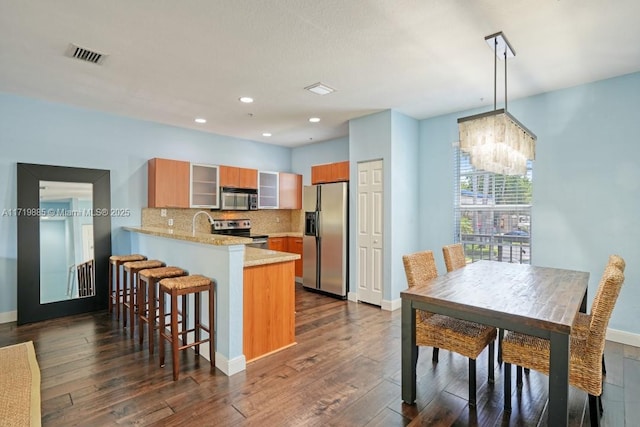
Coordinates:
column 171, row 61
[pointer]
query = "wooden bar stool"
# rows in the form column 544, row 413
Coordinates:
column 148, row 298
column 115, row 289
column 184, row 286
column 129, row 286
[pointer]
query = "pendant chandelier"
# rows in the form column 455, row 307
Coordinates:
column 496, row 141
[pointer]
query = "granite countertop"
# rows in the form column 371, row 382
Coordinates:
column 207, row 238
column 257, row 256
column 286, row 234
column 252, row 256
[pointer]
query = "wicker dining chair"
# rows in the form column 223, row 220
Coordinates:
column 580, row 327
column 581, row 324
column 454, row 256
column 419, row 267
column 585, row 366
column 453, row 259
column 439, row 331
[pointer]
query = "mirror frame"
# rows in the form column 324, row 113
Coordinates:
column 29, row 176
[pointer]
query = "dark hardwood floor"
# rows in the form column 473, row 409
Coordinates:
column 344, row 371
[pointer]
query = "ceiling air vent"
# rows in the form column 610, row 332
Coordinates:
column 74, row 51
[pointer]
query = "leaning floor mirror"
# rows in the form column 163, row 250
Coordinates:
column 64, row 240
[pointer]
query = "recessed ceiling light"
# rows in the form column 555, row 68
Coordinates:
column 200, row 120
column 246, row 99
column 320, row 89
column 266, row 134
column 314, row 119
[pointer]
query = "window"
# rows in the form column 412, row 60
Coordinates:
column 493, row 213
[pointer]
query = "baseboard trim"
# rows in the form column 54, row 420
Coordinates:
column 386, row 305
column 8, row 316
column 623, row 337
column 352, row 296
column 230, row 367
column 392, row 305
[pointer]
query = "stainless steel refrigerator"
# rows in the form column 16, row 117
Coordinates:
column 325, row 240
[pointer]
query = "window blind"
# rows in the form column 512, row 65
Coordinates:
column 492, row 212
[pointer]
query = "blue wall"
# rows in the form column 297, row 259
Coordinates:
column 404, row 195
column 586, row 181
column 586, row 174
column 34, row 131
column 302, row 158
column 370, row 139
column 392, row 137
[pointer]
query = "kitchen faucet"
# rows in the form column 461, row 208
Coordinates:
column 193, row 221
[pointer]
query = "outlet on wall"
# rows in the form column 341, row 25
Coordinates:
column 163, row 213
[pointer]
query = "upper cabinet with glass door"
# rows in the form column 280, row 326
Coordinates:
column 204, row 186
column 268, row 193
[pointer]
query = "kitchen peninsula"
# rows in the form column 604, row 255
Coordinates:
column 255, row 289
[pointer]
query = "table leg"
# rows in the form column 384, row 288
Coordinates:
column 559, row 380
column 583, row 305
column 409, row 352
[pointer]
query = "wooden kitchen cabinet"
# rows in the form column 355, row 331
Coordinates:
column 231, row 176
column 288, row 244
column 320, row 174
column 330, row 172
column 294, row 245
column 278, row 244
column 340, row 171
column 248, row 178
column 228, row 176
column 290, row 191
column 268, row 309
column 168, row 183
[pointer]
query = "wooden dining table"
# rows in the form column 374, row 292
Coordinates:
column 533, row 300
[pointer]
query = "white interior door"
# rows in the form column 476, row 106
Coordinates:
column 370, row 237
column 87, row 242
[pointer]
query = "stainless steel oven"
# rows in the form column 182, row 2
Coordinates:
column 261, row 242
column 241, row 228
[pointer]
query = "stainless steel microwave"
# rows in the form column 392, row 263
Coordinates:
column 238, row 199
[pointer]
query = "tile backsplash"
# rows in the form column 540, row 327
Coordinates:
column 262, row 221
